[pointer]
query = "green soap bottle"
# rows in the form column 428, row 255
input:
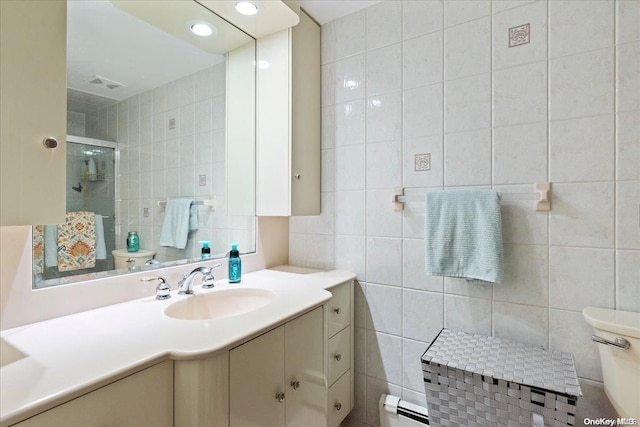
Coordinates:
column 235, row 264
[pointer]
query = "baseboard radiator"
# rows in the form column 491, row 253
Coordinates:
column 399, row 413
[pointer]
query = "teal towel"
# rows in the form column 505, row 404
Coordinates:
column 180, row 217
column 463, row 235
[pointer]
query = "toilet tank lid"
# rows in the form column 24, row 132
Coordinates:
column 615, row 321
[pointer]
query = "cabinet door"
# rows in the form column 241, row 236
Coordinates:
column 305, row 381
column 305, row 117
column 144, row 399
column 256, row 377
column 33, row 99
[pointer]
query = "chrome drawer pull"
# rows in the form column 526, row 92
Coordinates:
column 619, row 342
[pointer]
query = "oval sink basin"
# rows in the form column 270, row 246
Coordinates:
column 219, row 304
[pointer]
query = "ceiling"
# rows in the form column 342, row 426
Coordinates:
column 324, row 11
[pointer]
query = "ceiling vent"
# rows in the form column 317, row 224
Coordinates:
column 103, row 81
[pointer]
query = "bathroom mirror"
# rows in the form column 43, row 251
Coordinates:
column 161, row 107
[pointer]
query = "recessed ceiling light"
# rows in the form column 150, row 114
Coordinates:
column 201, row 29
column 246, row 8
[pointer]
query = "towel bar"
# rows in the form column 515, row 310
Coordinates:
column 211, row 203
column 542, row 195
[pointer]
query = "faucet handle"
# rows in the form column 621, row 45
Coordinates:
column 163, row 290
column 208, row 279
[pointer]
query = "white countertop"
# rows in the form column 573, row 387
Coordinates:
column 48, row 363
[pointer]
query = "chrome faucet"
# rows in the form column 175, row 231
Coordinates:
column 185, row 286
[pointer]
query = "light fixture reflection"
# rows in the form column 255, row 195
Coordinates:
column 201, row 29
column 246, row 8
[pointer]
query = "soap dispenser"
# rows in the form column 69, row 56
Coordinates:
column 205, row 253
column 235, row 264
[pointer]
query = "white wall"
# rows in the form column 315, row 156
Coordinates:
column 407, row 78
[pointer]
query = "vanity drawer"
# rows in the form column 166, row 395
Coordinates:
column 339, row 354
column 339, row 308
column 339, row 400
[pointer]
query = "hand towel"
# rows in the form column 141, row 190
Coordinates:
column 101, row 247
column 180, row 217
column 77, row 241
column 38, row 249
column 50, row 245
column 463, row 235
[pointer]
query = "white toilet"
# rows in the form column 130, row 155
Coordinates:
column 124, row 259
column 618, row 336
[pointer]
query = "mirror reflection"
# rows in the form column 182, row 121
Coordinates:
column 149, row 138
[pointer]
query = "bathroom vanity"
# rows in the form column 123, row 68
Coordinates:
column 132, row 365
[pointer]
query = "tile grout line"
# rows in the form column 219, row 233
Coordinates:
column 616, row 5
column 548, row 146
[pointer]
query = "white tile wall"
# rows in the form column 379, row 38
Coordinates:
column 157, row 161
column 560, row 108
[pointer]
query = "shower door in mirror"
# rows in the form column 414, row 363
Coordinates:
column 84, row 243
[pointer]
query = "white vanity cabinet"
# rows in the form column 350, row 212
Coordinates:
column 339, row 353
column 144, row 399
column 288, row 121
column 277, row 379
column 32, row 92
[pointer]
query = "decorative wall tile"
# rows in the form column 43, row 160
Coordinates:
column 433, row 145
column 456, row 12
column 525, row 276
column 520, row 95
column 627, row 280
column 582, row 215
column 384, row 24
column 581, row 85
column 522, row 323
column 467, row 49
column 467, row 104
column 422, row 60
column 628, row 215
column 582, row 149
column 535, row 15
column 578, row 26
column 385, row 305
column 628, row 77
column 460, row 147
column 581, row 277
column 520, row 154
column 520, row 35
column 384, row 70
column 421, row 17
column 422, row 112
